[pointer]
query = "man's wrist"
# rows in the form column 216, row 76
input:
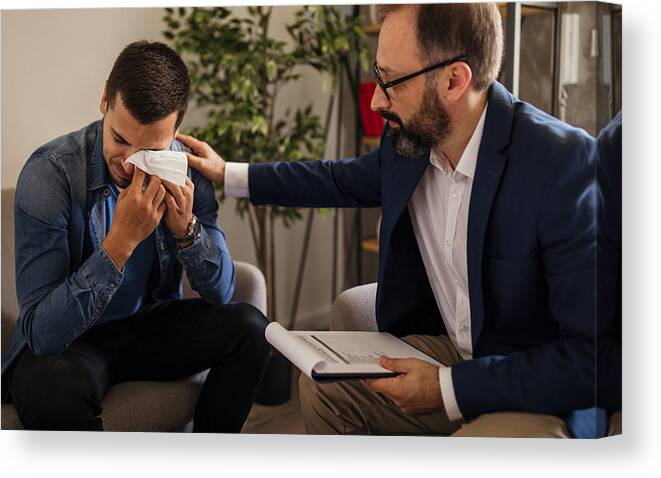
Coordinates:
column 191, row 234
column 117, row 250
column 180, row 233
column 448, row 394
column 221, row 173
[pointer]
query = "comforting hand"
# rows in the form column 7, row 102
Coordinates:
column 205, row 159
column 138, row 211
column 415, row 390
column 179, row 212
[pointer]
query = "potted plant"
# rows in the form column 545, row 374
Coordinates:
column 237, row 71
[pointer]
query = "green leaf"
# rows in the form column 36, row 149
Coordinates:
column 259, row 124
column 270, row 70
column 238, row 69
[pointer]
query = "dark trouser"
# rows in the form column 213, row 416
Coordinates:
column 166, row 341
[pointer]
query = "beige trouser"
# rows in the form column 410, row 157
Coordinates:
column 615, row 424
column 352, row 408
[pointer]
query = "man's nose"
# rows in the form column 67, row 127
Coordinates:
column 379, row 100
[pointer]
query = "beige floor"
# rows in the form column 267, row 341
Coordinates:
column 285, row 419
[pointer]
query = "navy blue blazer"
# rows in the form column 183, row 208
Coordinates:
column 609, row 266
column 531, row 248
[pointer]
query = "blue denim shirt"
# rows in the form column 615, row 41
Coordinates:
column 64, row 278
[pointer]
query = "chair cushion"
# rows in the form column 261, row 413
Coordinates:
column 139, row 406
column 10, row 420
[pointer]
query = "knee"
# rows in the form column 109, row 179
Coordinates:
column 57, row 394
column 251, row 325
column 515, row 425
column 252, row 318
column 615, row 424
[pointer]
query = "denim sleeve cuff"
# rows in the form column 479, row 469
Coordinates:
column 236, row 180
column 194, row 256
column 447, row 392
column 102, row 275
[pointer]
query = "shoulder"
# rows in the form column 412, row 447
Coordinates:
column 179, row 146
column 541, row 143
column 44, row 184
column 610, row 138
column 77, row 145
column 544, row 133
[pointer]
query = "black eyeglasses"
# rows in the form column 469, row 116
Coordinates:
column 384, row 86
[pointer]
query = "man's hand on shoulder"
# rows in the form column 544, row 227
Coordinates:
column 415, row 390
column 138, row 211
column 205, row 159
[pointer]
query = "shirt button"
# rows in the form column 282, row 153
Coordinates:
column 448, row 243
column 454, row 196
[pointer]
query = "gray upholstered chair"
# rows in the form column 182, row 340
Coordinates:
column 130, row 406
column 354, row 309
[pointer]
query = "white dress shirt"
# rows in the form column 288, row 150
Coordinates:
column 439, row 214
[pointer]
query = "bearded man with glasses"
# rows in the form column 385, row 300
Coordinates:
column 487, row 240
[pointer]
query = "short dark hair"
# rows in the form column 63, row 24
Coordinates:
column 471, row 29
column 153, row 81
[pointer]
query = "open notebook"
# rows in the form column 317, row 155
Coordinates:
column 329, row 356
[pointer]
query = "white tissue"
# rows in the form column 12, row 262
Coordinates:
column 168, row 165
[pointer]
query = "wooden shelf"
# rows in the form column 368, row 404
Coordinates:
column 373, row 141
column 526, row 10
column 372, row 29
column 370, row 245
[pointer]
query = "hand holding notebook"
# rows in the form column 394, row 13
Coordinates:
column 330, row 356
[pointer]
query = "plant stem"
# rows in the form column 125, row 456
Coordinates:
column 253, row 230
column 272, row 261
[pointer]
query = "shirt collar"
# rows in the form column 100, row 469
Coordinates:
column 468, row 160
column 98, row 174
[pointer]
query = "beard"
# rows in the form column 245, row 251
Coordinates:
column 429, row 125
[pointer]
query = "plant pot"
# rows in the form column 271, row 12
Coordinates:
column 275, row 388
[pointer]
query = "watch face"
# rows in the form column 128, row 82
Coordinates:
column 195, row 232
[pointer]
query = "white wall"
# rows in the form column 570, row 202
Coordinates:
column 54, row 65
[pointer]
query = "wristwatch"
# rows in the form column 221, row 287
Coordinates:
column 193, row 233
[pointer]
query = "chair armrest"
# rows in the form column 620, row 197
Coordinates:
column 250, row 286
column 355, row 309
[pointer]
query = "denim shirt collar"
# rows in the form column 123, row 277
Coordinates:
column 98, row 171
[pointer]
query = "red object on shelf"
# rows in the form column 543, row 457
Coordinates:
column 372, row 121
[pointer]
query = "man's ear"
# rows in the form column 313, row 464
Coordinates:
column 104, row 102
column 458, row 77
